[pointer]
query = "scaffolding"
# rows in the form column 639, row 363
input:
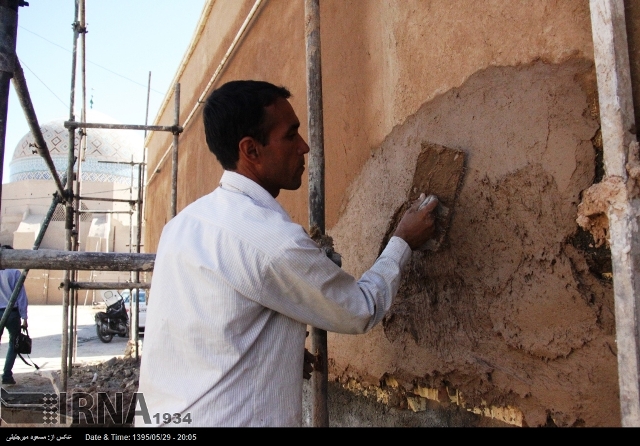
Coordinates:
column 69, row 192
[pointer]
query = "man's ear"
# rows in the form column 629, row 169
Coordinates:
column 249, row 149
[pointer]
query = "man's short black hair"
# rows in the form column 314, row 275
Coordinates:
column 236, row 110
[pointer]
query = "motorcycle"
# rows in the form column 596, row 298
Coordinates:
column 114, row 321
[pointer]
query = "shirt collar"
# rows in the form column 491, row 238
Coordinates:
column 236, row 182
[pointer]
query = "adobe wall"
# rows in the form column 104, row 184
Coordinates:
column 513, row 316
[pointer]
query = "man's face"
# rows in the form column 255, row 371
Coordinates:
column 282, row 159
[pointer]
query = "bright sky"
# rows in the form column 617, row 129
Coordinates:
column 126, row 40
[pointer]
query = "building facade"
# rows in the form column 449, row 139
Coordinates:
column 107, row 172
column 514, row 316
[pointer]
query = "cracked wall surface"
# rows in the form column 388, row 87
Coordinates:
column 508, row 311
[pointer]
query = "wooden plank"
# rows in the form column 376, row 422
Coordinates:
column 74, row 260
column 108, row 285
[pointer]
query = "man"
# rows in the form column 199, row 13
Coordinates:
column 236, row 282
column 8, row 280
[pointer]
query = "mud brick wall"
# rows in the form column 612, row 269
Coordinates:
column 513, row 316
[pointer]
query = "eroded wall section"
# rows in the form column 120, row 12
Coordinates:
column 508, row 312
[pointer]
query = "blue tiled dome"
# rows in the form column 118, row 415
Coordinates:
column 102, row 145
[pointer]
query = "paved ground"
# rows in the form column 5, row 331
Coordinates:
column 45, row 328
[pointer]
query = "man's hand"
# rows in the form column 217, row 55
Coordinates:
column 24, row 323
column 309, row 361
column 417, row 226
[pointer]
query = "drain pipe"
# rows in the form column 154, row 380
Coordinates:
column 320, row 377
column 611, row 55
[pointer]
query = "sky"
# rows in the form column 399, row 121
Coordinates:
column 126, row 39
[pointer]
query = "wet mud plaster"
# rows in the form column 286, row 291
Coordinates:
column 438, row 172
column 509, row 312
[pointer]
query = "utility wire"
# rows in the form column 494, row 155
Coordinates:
column 46, row 86
column 91, row 62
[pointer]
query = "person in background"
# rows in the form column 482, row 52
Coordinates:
column 8, row 280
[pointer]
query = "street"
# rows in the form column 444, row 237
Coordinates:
column 45, row 328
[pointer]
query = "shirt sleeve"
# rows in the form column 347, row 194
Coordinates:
column 302, row 283
column 21, row 302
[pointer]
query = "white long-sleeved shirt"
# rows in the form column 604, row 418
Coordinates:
column 235, row 284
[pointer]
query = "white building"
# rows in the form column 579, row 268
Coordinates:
column 28, row 196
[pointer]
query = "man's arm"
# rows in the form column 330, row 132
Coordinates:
column 302, row 283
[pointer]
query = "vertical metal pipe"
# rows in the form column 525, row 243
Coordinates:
column 8, row 33
column 146, row 113
column 314, row 117
column 83, row 117
column 132, row 165
column 83, row 132
column 64, row 370
column 141, row 169
column 136, row 278
column 75, row 244
column 144, row 149
column 319, row 379
column 133, row 298
column 174, row 171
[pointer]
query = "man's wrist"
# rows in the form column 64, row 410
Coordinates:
column 400, row 238
column 400, row 249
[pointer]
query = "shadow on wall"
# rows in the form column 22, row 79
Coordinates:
column 512, row 310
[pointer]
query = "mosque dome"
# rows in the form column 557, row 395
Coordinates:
column 102, row 145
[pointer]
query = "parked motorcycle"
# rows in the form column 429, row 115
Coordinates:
column 114, row 321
